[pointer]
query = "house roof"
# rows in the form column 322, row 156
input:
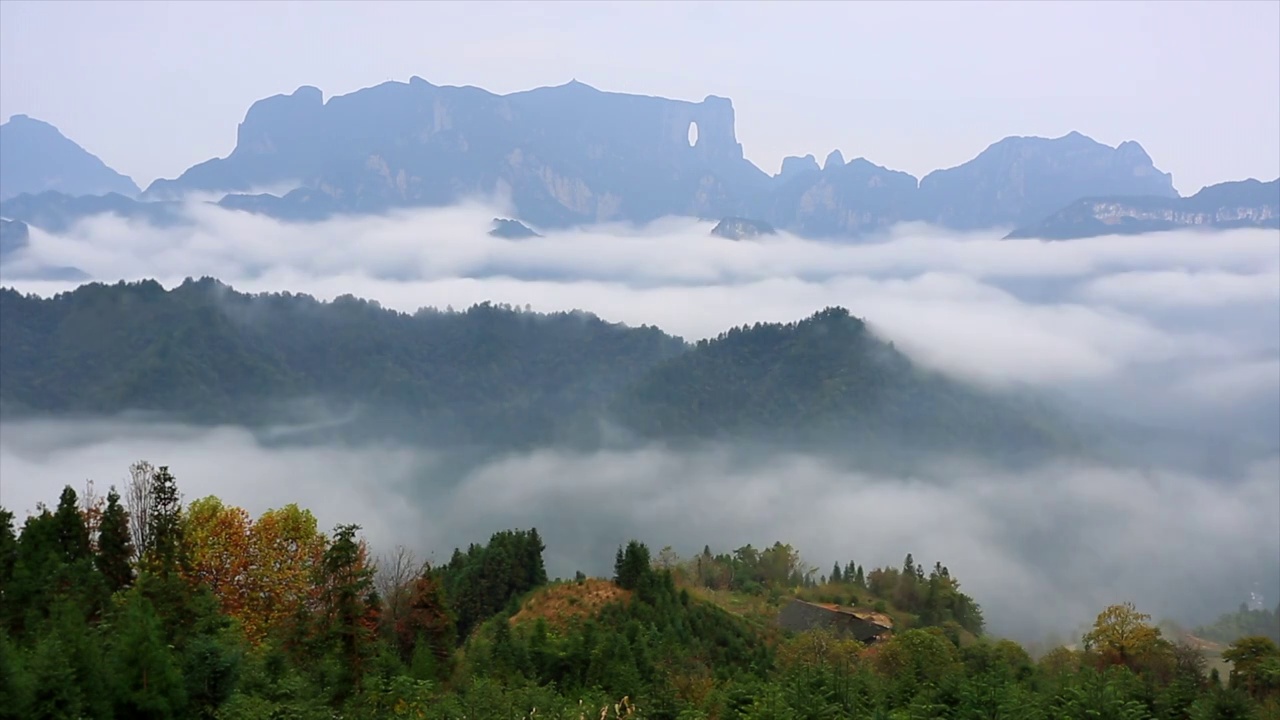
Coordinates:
column 876, row 618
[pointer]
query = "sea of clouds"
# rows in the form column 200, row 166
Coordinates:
column 1175, row 330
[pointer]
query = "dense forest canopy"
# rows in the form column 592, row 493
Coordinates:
column 490, row 375
column 140, row 604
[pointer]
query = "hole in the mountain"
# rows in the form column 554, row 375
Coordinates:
column 693, row 134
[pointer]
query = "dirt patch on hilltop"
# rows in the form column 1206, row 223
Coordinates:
column 562, row 604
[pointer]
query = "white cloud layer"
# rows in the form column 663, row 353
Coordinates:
column 1181, row 327
column 1041, row 551
column 986, row 309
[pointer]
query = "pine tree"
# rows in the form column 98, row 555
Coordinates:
column 165, row 554
column 73, row 536
column 54, row 693
column 347, row 583
column 632, row 565
column 15, row 682
column 835, row 574
column 115, row 545
column 148, row 679
column 8, row 548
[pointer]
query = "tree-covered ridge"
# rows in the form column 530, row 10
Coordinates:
column 490, row 375
column 1244, row 622
column 141, row 605
column 822, row 378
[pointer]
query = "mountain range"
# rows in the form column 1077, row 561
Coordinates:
column 572, row 155
column 35, row 157
column 491, row 376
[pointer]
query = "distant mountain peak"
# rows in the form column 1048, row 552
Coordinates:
column 572, row 154
column 1241, row 204
column 36, row 157
column 1021, row 180
column 308, row 92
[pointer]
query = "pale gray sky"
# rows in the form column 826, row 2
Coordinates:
column 155, row 87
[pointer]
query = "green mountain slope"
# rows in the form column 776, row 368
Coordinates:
column 825, row 379
column 490, row 375
column 209, row 354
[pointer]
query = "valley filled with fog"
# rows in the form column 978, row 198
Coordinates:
column 1169, row 340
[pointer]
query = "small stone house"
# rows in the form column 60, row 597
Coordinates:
column 863, row 626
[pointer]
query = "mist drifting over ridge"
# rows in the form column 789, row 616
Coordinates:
column 1182, row 328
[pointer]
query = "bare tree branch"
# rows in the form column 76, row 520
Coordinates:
column 140, row 498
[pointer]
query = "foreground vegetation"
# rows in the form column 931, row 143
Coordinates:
column 143, row 606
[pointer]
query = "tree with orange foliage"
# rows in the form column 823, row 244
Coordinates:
column 1122, row 636
column 218, row 537
column 263, row 571
column 288, row 550
column 427, row 623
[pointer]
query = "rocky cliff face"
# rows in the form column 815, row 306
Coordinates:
column 35, row 157
column 1020, row 180
column 843, row 199
column 571, row 155
column 14, row 235
column 564, row 155
column 1247, row 203
column 736, row 228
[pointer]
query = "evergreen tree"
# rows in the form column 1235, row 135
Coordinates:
column 15, row 682
column 54, row 693
column 835, row 574
column 115, row 545
column 8, row 549
column 347, row 583
column 69, row 625
column 73, row 536
column 632, row 565
column 166, row 552
column 148, row 678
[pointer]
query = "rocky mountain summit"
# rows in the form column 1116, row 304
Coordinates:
column 35, row 157
column 572, row 155
column 1247, row 203
column 736, row 228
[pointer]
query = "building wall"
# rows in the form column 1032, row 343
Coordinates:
column 799, row 616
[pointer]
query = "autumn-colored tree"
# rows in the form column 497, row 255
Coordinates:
column 288, row 550
column 819, row 648
column 218, row 540
column 916, row 657
column 262, row 572
column 427, row 621
column 1122, row 636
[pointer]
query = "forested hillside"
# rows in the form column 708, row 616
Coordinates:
column 206, row 353
column 142, row 605
column 825, row 379
column 490, row 375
